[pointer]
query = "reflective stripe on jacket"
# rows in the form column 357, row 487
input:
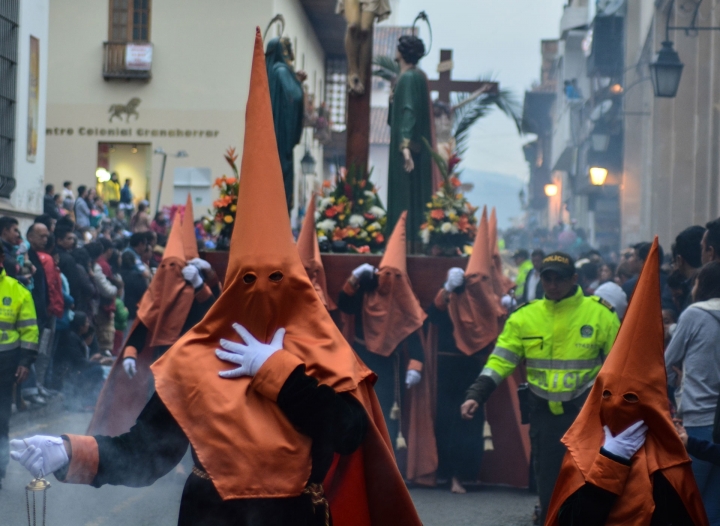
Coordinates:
column 18, row 323
column 563, row 343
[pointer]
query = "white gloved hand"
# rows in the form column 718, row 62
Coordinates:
column 362, row 269
column 40, row 455
column 130, row 366
column 412, row 377
column 192, row 276
column 200, row 264
column 455, row 279
column 508, row 302
column 627, row 443
column 251, row 355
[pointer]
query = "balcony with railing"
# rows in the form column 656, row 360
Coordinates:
column 127, row 60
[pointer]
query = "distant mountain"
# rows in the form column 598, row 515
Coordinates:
column 495, row 189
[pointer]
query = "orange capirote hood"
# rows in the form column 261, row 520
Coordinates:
column 309, row 251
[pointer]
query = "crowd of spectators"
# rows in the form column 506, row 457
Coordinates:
column 87, row 261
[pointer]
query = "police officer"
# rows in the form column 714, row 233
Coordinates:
column 563, row 339
column 18, row 349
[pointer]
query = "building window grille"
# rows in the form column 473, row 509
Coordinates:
column 129, row 21
column 336, row 92
column 8, row 86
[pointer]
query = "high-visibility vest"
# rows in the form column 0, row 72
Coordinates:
column 18, row 323
column 562, row 342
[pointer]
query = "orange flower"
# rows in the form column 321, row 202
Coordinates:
column 219, row 181
column 231, row 180
column 331, row 212
column 437, row 214
column 455, row 182
column 379, row 238
column 339, row 234
column 326, row 183
column 463, row 224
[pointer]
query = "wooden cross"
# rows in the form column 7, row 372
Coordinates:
column 445, row 85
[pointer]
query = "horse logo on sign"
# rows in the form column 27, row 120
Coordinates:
column 117, row 110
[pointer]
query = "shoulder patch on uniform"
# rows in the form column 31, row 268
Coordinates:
column 605, row 303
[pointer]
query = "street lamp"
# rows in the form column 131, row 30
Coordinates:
column 308, row 163
column 159, row 151
column 665, row 71
column 551, row 190
column 598, row 175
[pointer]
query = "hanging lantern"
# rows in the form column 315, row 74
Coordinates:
column 551, row 190
column 35, row 487
column 598, row 174
column 666, row 71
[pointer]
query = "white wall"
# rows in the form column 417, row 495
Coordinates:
column 26, row 199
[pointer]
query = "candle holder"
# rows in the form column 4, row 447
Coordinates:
column 36, row 486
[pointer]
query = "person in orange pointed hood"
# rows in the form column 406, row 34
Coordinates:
column 388, row 321
column 466, row 313
column 285, row 432
column 502, row 285
column 176, row 299
column 192, row 256
column 625, row 463
column 307, row 245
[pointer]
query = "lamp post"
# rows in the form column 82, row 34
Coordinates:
column 159, row 151
column 666, row 71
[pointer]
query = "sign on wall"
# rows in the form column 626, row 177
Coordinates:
column 33, row 100
column 138, row 57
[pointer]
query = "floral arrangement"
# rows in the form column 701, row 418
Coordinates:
column 350, row 216
column 451, row 224
column 226, row 204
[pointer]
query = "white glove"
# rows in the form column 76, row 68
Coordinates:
column 412, row 377
column 40, row 455
column 627, row 443
column 249, row 356
column 508, row 302
column 200, row 264
column 362, row 269
column 455, row 279
column 192, row 276
column 130, row 366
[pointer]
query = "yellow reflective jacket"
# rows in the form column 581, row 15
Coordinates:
column 563, row 343
column 18, row 324
column 523, row 270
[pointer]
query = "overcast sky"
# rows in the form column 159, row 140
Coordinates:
column 497, row 37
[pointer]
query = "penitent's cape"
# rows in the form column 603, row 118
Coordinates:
column 635, row 366
column 163, row 309
column 392, row 312
column 240, row 435
column 501, row 283
column 188, row 231
column 309, row 250
column 476, row 316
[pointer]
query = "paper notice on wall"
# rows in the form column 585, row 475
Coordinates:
column 138, row 57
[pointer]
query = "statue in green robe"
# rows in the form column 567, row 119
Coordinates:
column 288, row 106
column 410, row 168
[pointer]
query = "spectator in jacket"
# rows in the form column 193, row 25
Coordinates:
column 82, row 209
column 82, row 374
column 710, row 244
column 11, row 238
column 49, row 206
column 111, row 194
column 140, row 222
column 694, row 350
column 107, row 292
column 533, row 284
column 126, row 197
column 135, row 285
column 86, row 293
column 687, row 258
column 138, row 248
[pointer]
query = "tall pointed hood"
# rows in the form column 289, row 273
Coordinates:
column 501, row 284
column 165, row 305
column 258, row 452
column 309, row 251
column 188, row 231
column 392, row 312
column 475, row 309
column 632, row 386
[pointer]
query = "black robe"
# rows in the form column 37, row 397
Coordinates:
column 337, row 423
column 460, row 442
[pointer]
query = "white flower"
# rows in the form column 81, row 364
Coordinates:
column 317, row 215
column 369, row 194
column 322, row 238
column 363, row 234
column 425, row 236
column 325, row 202
column 328, row 225
column 377, row 212
column 440, row 193
column 454, row 229
column 356, row 221
column 375, row 226
column 446, row 227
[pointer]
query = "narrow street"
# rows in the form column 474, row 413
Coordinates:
column 70, row 505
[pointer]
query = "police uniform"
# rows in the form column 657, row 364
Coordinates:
column 18, row 346
column 563, row 344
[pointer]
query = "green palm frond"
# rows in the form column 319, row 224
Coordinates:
column 467, row 115
column 386, row 69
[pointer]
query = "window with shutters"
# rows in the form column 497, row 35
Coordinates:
column 8, row 86
column 129, row 21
